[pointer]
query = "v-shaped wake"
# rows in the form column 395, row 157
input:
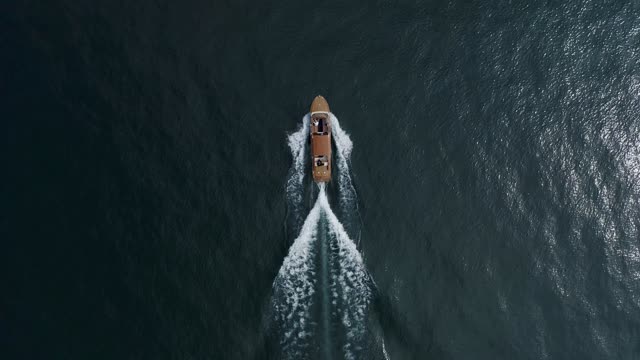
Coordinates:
column 322, row 292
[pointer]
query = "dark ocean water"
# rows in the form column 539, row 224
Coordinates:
column 496, row 159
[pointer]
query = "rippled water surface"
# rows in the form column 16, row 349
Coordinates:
column 493, row 183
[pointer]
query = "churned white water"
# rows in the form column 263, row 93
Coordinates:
column 294, row 287
column 298, row 280
column 347, row 197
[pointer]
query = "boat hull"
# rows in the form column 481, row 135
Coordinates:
column 320, row 132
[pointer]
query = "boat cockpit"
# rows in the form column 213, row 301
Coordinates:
column 320, row 161
column 321, row 126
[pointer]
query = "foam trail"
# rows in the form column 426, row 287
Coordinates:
column 323, row 274
column 298, row 144
column 326, row 266
column 348, row 198
column 384, row 351
column 293, row 290
column 352, row 280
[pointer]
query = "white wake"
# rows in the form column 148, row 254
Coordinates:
column 347, row 196
column 293, row 289
column 298, row 144
column 298, row 280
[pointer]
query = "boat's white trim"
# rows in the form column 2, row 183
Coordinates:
column 319, row 112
